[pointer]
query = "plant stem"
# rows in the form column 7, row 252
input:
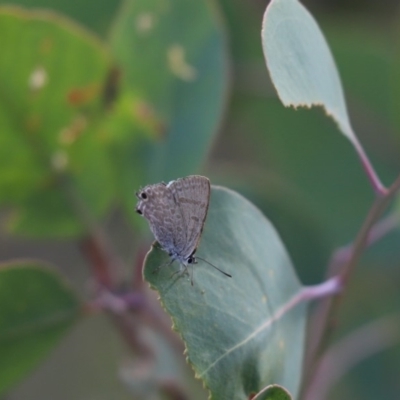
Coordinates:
column 364, row 235
column 377, row 232
column 172, row 390
column 324, row 319
column 329, row 287
column 351, row 350
column 142, row 307
column 379, row 188
column 108, row 268
column 128, row 328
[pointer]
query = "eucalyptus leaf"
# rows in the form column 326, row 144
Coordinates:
column 300, row 62
column 94, row 14
column 173, row 55
column 37, row 307
column 241, row 333
column 51, row 80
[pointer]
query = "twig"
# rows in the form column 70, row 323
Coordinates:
column 350, row 351
column 324, row 318
column 379, row 189
column 341, row 256
column 108, row 268
column 172, row 389
column 330, row 287
column 361, row 241
column 156, row 318
column 109, row 271
column 378, row 231
column 116, row 304
column 130, row 332
column 141, row 307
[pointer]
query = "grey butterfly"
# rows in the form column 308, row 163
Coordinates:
column 176, row 213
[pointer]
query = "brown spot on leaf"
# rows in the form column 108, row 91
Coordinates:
column 82, row 96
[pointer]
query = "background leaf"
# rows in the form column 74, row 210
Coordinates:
column 233, row 326
column 94, row 14
column 51, row 80
column 37, row 307
column 173, row 57
column 300, row 63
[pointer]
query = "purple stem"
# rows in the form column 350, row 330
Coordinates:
column 137, row 303
column 350, row 351
column 117, row 304
column 328, row 288
column 377, row 232
column 379, row 189
column 324, row 317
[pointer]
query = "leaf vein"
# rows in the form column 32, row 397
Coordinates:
column 266, row 324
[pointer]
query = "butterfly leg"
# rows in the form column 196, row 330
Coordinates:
column 163, row 265
column 191, row 278
column 182, row 270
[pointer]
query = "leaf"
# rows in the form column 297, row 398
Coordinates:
column 37, row 307
column 50, row 108
column 242, row 327
column 88, row 13
column 173, row 56
column 273, row 392
column 300, row 63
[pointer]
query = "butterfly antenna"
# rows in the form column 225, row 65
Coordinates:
column 220, row 270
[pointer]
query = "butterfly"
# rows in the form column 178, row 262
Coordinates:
column 176, row 213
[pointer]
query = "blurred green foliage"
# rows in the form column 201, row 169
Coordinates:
column 51, row 73
column 36, row 309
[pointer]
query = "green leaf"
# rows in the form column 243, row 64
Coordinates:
column 50, row 108
column 36, row 309
column 300, row 63
column 173, row 56
column 242, row 327
column 94, row 14
column 273, row 392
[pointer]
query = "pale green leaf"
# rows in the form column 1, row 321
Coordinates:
column 241, row 333
column 173, row 55
column 300, row 62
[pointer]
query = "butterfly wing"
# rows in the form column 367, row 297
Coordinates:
column 158, row 206
column 192, row 196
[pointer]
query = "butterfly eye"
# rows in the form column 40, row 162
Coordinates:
column 143, row 195
column 190, row 260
